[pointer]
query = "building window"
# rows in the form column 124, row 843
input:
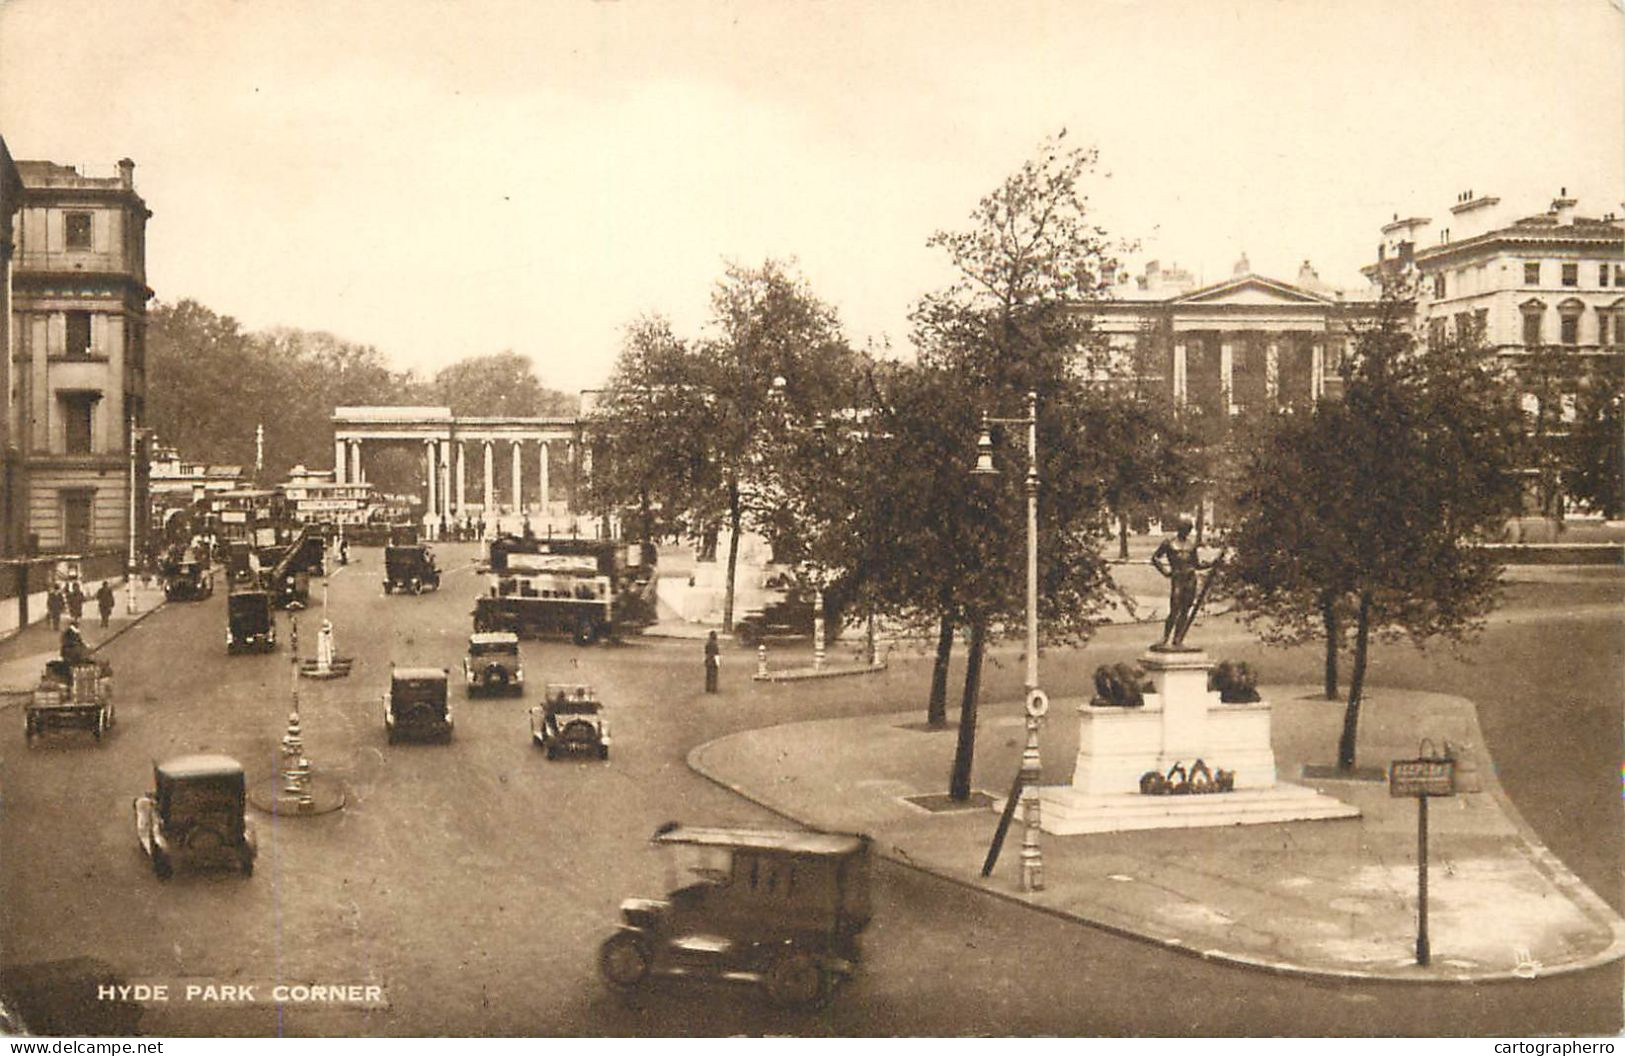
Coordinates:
column 1464, row 326
column 1607, row 330
column 1438, row 285
column 78, row 334
column 78, row 411
column 1481, row 323
column 1619, row 274
column 1436, row 333
column 1602, row 274
column 1569, row 329
column 1571, row 274
column 1531, row 273
column 78, row 507
column 1531, row 327
column 77, row 230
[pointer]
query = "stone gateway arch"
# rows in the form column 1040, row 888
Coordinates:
column 547, row 462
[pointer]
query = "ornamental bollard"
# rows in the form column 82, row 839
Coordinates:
column 761, row 660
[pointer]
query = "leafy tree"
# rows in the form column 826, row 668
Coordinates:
column 1552, row 375
column 774, row 354
column 650, row 431
column 1596, row 474
column 499, row 384
column 1376, row 505
column 1010, row 324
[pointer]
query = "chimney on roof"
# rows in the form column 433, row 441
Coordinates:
column 1242, row 267
column 1563, row 207
column 126, row 173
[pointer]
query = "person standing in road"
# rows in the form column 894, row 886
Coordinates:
column 104, row 601
column 54, row 606
column 713, row 660
column 76, row 600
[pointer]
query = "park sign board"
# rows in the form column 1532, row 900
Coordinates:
column 1426, row 776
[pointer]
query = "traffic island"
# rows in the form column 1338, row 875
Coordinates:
column 1321, row 899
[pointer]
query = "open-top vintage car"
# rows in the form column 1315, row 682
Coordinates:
column 570, row 719
column 492, row 664
column 194, row 815
column 410, row 570
column 415, row 707
column 780, row 909
column 188, row 580
column 72, row 694
column 250, row 622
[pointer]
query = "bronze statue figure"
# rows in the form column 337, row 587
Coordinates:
column 1179, row 559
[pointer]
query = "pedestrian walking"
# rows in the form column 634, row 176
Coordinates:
column 54, row 604
column 76, row 600
column 104, row 601
column 713, row 660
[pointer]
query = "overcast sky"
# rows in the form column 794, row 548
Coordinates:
column 445, row 179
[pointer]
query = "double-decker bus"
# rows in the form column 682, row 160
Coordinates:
column 588, row 589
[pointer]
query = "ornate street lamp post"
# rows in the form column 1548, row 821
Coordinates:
column 1037, row 704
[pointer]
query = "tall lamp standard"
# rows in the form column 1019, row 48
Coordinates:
column 1037, row 704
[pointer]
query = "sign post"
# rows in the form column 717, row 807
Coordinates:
column 1422, row 778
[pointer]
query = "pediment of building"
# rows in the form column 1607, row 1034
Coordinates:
column 1252, row 290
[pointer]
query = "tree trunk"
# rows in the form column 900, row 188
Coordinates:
column 1334, row 639
column 936, row 709
column 1351, row 714
column 965, row 753
column 1122, row 537
column 734, row 518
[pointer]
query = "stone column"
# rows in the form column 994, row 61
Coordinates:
column 461, row 493
column 518, row 496
column 1179, row 374
column 357, row 476
column 545, row 496
column 490, row 494
column 1272, row 372
column 1227, row 369
column 445, row 468
column 338, row 462
column 432, row 473
column 1317, row 371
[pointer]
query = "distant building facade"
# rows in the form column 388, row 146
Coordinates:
column 1555, row 278
column 1220, row 351
column 78, row 356
column 12, row 504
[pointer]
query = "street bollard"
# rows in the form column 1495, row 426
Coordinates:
column 761, row 660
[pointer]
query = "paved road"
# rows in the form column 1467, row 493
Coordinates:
column 474, row 881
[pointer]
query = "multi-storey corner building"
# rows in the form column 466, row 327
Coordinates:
column 11, row 509
column 78, row 363
column 1225, row 350
column 1519, row 281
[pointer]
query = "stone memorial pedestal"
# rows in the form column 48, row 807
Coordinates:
column 1181, row 722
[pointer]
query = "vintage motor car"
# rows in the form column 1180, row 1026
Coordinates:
column 410, row 570
column 250, row 623
column 492, row 664
column 570, row 719
column 73, row 694
column 188, row 580
column 194, row 816
column 416, row 706
column 780, row 909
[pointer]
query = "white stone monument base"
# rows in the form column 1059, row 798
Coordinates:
column 1067, row 811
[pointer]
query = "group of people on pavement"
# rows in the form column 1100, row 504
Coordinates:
column 71, row 599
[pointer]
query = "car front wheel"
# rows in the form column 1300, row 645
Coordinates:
column 624, row 960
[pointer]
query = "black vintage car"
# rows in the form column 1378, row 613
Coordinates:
column 415, row 706
column 195, row 815
column 250, row 622
column 410, row 570
column 778, row 908
column 188, row 580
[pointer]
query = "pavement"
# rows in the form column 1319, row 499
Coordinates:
column 23, row 654
column 1332, row 899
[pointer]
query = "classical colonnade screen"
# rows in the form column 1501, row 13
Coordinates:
column 546, row 458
